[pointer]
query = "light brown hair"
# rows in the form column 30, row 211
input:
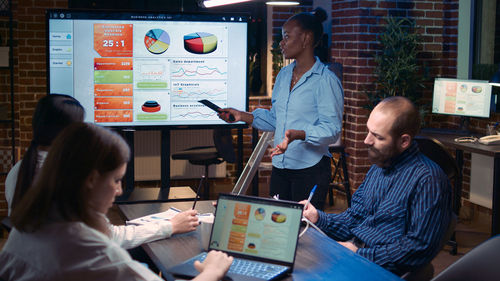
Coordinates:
column 60, row 187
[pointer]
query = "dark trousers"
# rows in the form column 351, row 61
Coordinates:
column 295, row 185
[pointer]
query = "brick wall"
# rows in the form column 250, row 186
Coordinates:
column 354, row 29
column 29, row 70
column 355, row 26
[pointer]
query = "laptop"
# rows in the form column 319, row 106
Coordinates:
column 260, row 234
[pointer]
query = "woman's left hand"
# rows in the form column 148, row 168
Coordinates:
column 290, row 135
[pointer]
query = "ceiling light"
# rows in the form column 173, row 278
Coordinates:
column 282, row 3
column 215, row 3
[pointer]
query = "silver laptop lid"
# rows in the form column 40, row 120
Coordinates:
column 257, row 228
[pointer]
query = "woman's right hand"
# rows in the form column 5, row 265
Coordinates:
column 226, row 113
column 184, row 222
column 214, row 267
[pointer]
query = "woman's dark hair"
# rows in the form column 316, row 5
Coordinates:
column 61, row 191
column 312, row 22
column 53, row 113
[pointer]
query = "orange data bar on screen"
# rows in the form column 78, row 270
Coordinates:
column 112, row 103
column 241, row 211
column 101, row 90
column 105, row 116
column 113, row 64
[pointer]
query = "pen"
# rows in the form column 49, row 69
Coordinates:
column 310, row 196
column 175, row 209
column 198, row 191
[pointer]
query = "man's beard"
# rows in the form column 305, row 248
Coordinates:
column 383, row 157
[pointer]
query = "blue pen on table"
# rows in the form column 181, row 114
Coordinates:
column 310, row 196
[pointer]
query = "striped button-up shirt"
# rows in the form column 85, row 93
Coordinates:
column 401, row 213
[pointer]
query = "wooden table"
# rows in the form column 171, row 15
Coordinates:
column 318, row 257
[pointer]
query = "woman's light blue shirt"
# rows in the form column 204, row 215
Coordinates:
column 314, row 105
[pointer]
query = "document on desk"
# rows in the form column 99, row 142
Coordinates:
column 166, row 216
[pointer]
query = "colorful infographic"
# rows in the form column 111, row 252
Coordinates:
column 135, row 81
column 157, row 41
column 200, row 43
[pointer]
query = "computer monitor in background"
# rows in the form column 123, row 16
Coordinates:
column 148, row 68
column 468, row 98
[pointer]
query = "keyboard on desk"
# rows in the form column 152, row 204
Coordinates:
column 255, row 269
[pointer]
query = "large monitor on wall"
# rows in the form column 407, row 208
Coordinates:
column 148, row 69
column 470, row 98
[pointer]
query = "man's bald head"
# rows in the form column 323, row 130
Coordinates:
column 405, row 116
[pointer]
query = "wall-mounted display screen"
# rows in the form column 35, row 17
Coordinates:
column 461, row 97
column 148, row 69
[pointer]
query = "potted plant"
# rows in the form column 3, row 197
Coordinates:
column 397, row 72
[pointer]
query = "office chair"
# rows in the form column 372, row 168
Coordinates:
column 435, row 151
column 426, row 272
column 480, row 263
column 208, row 155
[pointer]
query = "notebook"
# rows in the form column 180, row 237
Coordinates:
column 257, row 232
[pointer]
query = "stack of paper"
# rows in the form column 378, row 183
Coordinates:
column 167, row 215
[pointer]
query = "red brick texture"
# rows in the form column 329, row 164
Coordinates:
column 355, row 27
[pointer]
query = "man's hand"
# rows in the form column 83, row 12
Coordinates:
column 349, row 245
column 184, row 222
column 310, row 212
column 290, row 135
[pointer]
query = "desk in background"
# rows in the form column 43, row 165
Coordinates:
column 155, row 194
column 318, row 257
column 487, row 150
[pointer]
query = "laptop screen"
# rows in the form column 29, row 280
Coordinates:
column 256, row 227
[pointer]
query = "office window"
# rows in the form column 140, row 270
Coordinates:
column 486, row 39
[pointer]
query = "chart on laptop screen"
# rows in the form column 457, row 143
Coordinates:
column 255, row 229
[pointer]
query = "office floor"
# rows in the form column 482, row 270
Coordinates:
column 472, row 229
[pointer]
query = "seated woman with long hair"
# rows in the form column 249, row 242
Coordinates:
column 60, row 228
column 52, row 114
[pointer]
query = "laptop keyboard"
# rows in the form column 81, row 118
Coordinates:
column 250, row 268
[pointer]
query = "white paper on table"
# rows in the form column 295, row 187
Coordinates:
column 162, row 216
column 168, row 215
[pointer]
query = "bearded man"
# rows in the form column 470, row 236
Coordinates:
column 401, row 211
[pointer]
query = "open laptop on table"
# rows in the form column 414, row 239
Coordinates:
column 259, row 233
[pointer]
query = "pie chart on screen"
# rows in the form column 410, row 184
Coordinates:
column 200, row 43
column 157, row 41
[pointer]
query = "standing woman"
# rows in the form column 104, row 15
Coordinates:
column 60, row 228
column 306, row 114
